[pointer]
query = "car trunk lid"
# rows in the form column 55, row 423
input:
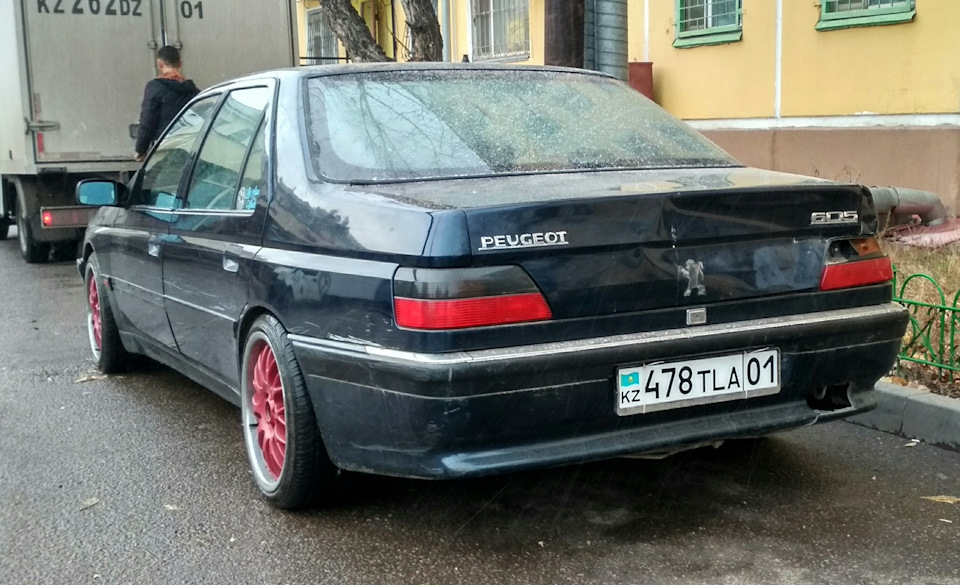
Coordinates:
column 602, row 243
column 640, row 248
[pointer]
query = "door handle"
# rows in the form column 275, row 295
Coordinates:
column 153, row 246
column 231, row 258
column 230, row 264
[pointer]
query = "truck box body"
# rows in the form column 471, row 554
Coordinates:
column 73, row 77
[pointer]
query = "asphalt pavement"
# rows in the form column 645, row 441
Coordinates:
column 141, row 478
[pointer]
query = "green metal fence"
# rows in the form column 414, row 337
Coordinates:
column 930, row 337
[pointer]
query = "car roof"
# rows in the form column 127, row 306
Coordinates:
column 387, row 66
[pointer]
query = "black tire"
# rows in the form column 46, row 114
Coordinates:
column 108, row 352
column 4, row 228
column 31, row 250
column 300, row 473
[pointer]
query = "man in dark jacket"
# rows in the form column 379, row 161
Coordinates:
column 163, row 98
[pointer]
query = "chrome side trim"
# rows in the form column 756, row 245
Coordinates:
column 824, row 318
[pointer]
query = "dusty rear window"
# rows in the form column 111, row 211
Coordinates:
column 412, row 125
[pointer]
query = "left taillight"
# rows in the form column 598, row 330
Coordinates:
column 458, row 298
column 856, row 262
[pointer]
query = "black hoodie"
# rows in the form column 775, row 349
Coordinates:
column 162, row 101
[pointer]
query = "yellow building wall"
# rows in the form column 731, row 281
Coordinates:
column 735, row 80
column 910, row 68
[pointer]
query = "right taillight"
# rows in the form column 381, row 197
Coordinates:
column 458, row 298
column 856, row 262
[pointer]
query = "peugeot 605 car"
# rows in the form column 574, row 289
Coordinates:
column 439, row 271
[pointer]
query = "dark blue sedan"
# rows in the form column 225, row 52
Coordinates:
column 436, row 271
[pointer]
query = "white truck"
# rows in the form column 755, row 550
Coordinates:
column 72, row 74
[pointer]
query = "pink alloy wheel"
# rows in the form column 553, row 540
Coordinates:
column 93, row 299
column 267, row 402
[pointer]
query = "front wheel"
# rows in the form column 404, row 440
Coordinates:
column 4, row 228
column 284, row 447
column 108, row 352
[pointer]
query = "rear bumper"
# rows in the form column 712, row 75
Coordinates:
column 479, row 412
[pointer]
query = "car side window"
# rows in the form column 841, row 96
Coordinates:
column 216, row 178
column 169, row 160
column 252, row 185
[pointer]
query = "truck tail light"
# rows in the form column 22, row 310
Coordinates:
column 853, row 263
column 458, row 298
column 74, row 216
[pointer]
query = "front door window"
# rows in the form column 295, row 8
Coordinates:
column 165, row 168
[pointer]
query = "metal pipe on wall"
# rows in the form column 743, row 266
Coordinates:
column 589, row 35
column 611, row 37
column 903, row 204
column 445, row 30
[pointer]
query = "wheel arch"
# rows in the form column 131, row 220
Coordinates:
column 250, row 314
column 8, row 197
column 25, row 195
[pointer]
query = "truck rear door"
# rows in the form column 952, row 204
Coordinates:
column 220, row 40
column 88, row 62
column 90, row 59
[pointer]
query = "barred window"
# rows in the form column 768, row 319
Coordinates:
column 321, row 42
column 852, row 5
column 708, row 22
column 501, row 29
column 849, row 13
column 698, row 15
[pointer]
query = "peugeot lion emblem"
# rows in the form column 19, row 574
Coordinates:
column 693, row 272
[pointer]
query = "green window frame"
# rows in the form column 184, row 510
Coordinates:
column 708, row 22
column 836, row 14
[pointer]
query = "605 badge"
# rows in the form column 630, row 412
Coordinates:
column 662, row 386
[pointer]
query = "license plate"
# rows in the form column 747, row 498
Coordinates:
column 665, row 385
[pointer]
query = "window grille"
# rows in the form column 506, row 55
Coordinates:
column 501, row 29
column 836, row 14
column 321, row 42
column 706, row 16
column 832, row 6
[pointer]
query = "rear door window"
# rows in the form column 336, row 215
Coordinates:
column 215, row 184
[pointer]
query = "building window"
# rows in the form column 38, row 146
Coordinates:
column 501, row 30
column 836, row 14
column 708, row 22
column 321, row 42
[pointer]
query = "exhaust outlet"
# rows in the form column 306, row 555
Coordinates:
column 898, row 205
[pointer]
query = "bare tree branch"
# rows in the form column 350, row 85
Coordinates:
column 352, row 31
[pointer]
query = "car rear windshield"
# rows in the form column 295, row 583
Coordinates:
column 414, row 125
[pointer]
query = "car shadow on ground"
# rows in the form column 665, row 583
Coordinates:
column 623, row 500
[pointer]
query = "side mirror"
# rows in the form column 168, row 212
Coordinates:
column 96, row 192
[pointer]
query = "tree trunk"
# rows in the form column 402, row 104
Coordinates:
column 425, row 28
column 352, row 31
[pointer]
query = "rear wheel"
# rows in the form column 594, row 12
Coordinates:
column 284, row 447
column 108, row 352
column 4, row 228
column 31, row 250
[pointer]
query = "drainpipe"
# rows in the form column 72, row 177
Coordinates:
column 610, row 37
column 902, row 204
column 589, row 32
column 445, row 21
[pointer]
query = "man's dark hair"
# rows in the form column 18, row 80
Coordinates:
column 169, row 55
